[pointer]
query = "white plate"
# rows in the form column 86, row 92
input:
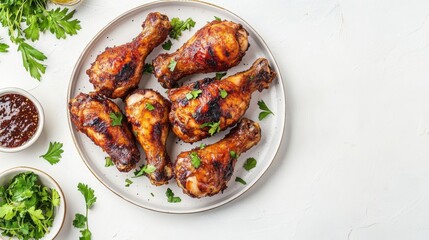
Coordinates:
column 126, row 27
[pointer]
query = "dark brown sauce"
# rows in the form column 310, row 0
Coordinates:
column 19, row 120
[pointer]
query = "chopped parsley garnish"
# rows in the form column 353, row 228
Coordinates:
column 146, row 169
column 249, row 164
column 108, row 162
column 214, row 127
column 240, row 180
column 167, row 45
column 195, row 160
column 116, row 118
column 193, row 94
column 53, row 155
column 152, row 194
column 202, row 146
column 148, row 68
column 220, row 75
column 217, row 18
column 26, row 207
column 170, row 196
column 80, row 220
column 233, row 154
column 223, row 93
column 128, row 182
column 3, row 47
column 149, row 107
column 265, row 110
column 178, row 26
column 172, row 65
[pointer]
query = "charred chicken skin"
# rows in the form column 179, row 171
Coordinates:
column 118, row 70
column 216, row 163
column 92, row 115
column 147, row 111
column 217, row 46
column 205, row 107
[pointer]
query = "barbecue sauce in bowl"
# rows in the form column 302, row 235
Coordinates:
column 19, row 120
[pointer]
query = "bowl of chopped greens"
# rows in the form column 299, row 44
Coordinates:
column 32, row 204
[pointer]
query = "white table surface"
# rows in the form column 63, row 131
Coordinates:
column 355, row 163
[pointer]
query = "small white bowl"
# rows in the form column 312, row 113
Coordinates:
column 39, row 108
column 45, row 180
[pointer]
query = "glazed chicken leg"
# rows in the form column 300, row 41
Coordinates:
column 205, row 107
column 93, row 115
column 217, row 46
column 118, row 70
column 147, row 111
column 216, row 165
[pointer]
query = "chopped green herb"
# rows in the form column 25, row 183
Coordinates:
column 193, row 94
column 53, row 155
column 170, row 196
column 233, row 154
column 116, row 118
column 167, row 45
column 195, row 159
column 146, row 169
column 109, row 162
column 81, row 221
column 27, row 207
column 265, row 110
column 152, row 194
column 240, row 180
column 223, row 93
column 220, row 75
column 214, row 127
column 217, row 18
column 172, row 65
column 249, row 164
column 136, row 134
column 3, row 47
column 202, row 146
column 128, row 182
column 148, row 68
column 178, row 26
column 149, row 107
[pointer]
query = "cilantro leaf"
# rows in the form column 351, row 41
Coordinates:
column 149, row 107
column 146, row 169
column 116, row 118
column 128, row 182
column 265, row 110
column 53, row 155
column 88, row 194
column 167, row 45
column 178, row 26
column 55, row 198
column 214, row 127
column 171, row 198
column 148, row 68
column 79, row 221
column 193, row 94
column 195, row 159
column 60, row 24
column 249, row 164
column 7, row 211
column 240, row 180
column 202, row 146
column 108, row 162
column 3, row 47
column 223, row 93
column 85, row 234
column 220, row 75
column 172, row 65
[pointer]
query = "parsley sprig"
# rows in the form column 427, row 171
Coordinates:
column 146, row 169
column 116, row 118
column 53, row 155
column 171, row 198
column 265, row 110
column 25, row 20
column 179, row 25
column 214, row 127
column 80, row 220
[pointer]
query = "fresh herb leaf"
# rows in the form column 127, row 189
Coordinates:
column 128, row 182
column 172, row 65
column 193, row 94
column 167, row 45
column 214, row 127
column 223, row 93
column 31, row 59
column 55, row 200
column 108, row 162
column 88, row 194
column 240, row 180
column 59, row 22
column 149, row 107
column 170, row 196
column 233, row 154
column 79, row 221
column 202, row 146
column 116, row 118
column 249, row 164
column 195, row 159
column 152, row 194
column 265, row 110
column 217, row 18
column 85, row 234
column 220, row 75
column 146, row 169
column 148, row 68
column 53, row 155
column 178, row 26
column 3, row 47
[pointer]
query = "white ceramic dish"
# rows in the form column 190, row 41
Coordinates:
column 126, row 27
column 45, row 180
column 41, row 118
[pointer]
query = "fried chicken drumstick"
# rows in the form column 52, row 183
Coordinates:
column 147, row 111
column 118, row 70
column 92, row 115
column 205, row 107
column 217, row 46
column 216, row 163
